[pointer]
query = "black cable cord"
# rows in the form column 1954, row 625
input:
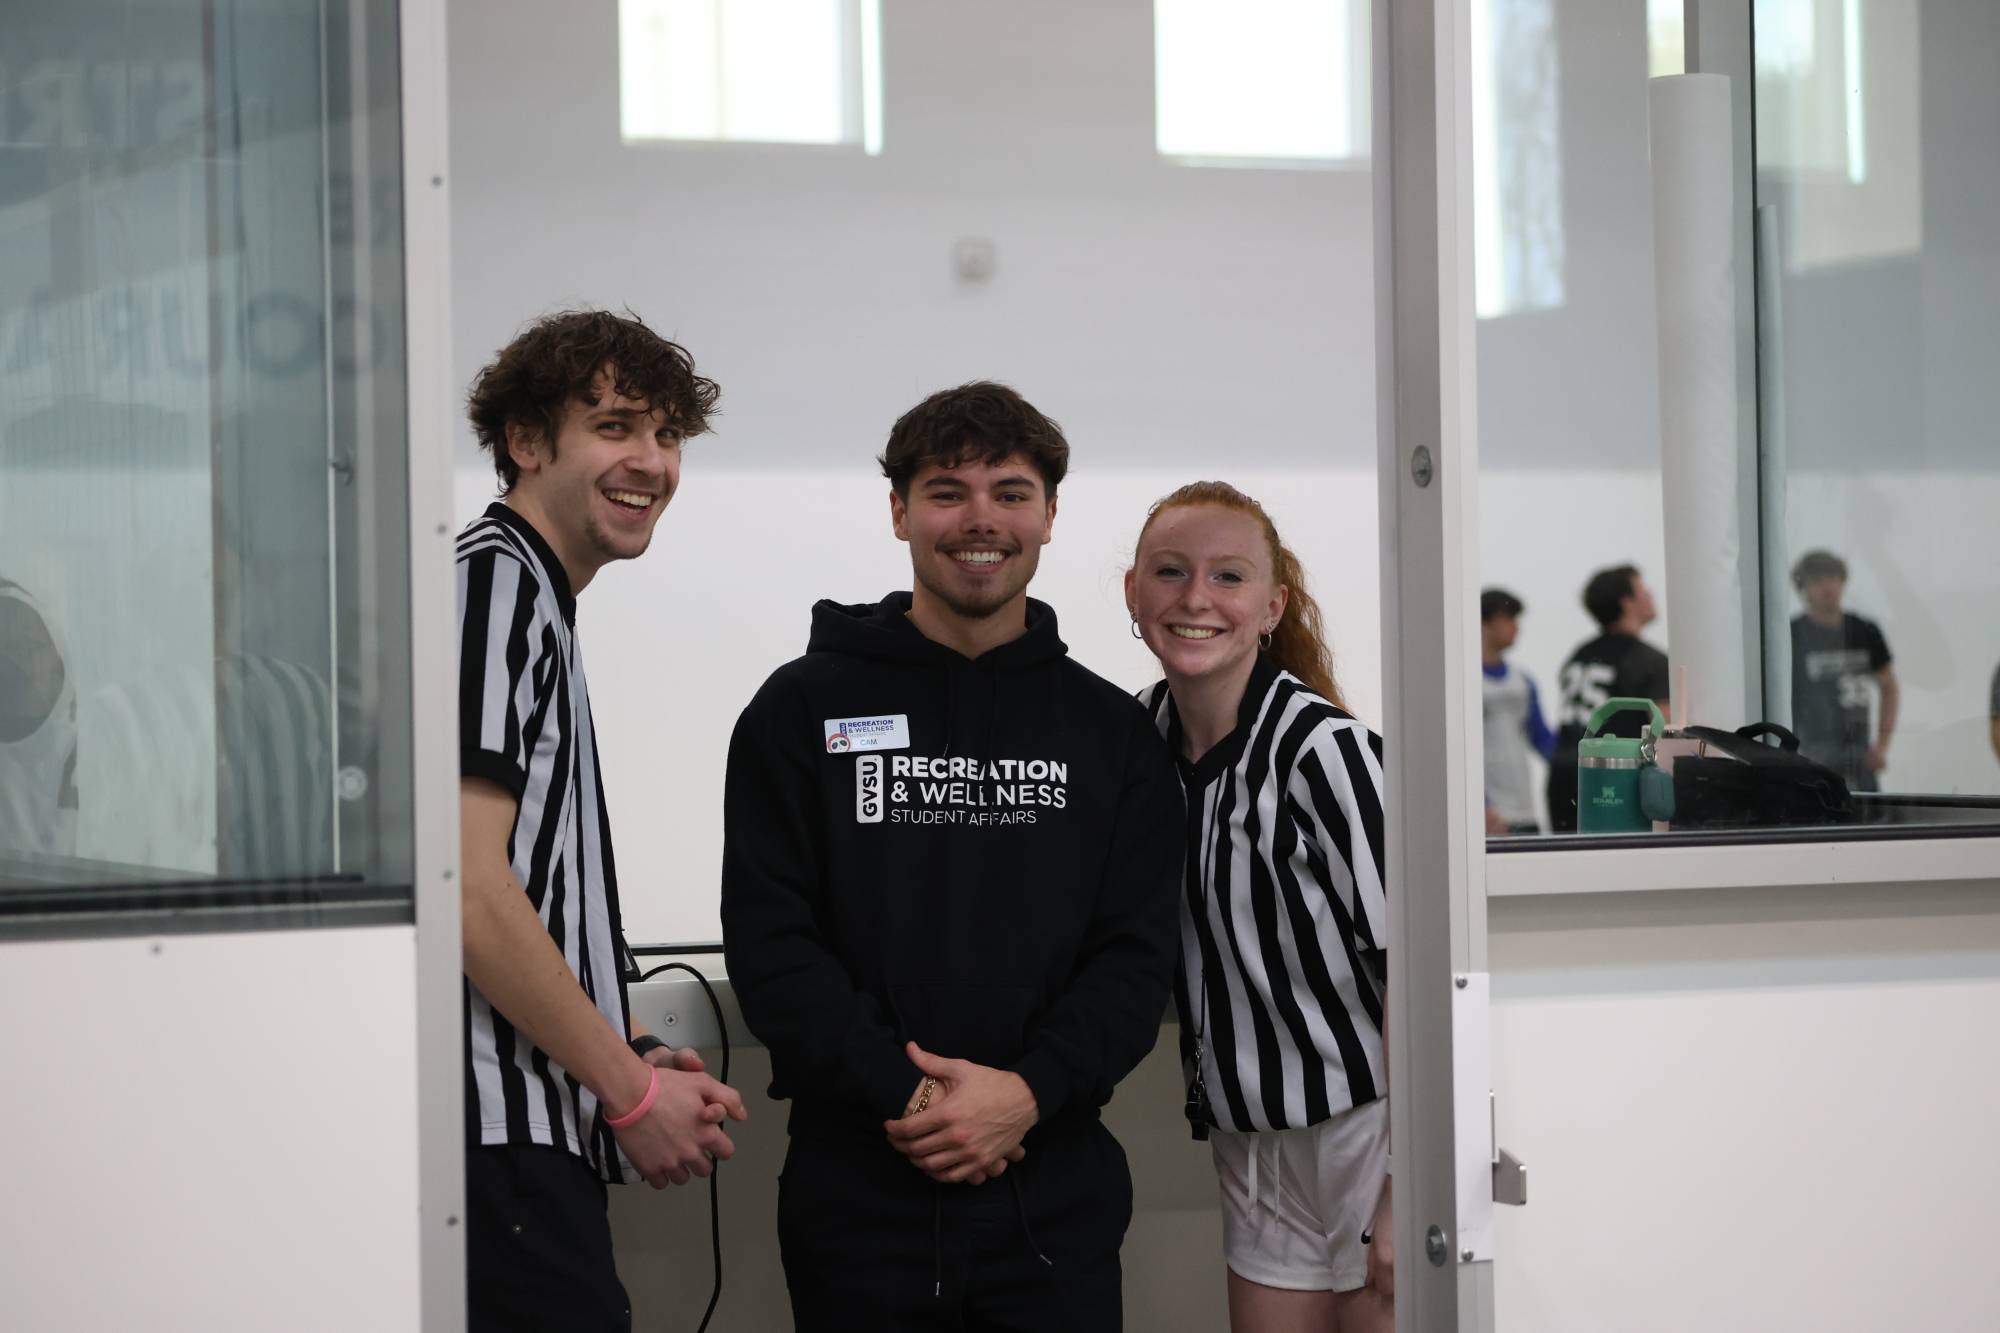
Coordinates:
column 715, row 1168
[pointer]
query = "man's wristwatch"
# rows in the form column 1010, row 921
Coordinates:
column 648, row 1042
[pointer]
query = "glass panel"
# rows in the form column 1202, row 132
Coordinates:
column 1862, row 498
column 1878, row 182
column 203, row 560
column 1569, row 435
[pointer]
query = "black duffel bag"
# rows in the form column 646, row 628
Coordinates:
column 1738, row 781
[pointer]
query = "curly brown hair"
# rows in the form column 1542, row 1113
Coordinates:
column 981, row 422
column 558, row 358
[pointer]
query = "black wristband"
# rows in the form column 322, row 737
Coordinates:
column 648, row 1042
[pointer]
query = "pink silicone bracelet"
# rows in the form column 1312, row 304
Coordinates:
column 632, row 1116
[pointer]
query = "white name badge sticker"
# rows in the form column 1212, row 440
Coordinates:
column 846, row 735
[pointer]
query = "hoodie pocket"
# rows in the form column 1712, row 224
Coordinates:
column 983, row 1024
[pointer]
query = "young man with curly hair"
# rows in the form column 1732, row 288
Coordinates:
column 584, row 415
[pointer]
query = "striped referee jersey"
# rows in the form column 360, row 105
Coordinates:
column 524, row 723
column 1283, row 918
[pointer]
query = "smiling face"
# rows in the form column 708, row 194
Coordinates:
column 976, row 533
column 1203, row 589
column 598, row 494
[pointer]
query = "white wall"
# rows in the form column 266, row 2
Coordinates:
column 229, row 1148
column 1749, row 1110
column 1163, row 314
column 1179, row 323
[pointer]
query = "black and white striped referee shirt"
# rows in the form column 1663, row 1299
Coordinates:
column 524, row 723
column 1283, row 918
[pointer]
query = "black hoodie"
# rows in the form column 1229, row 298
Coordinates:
column 980, row 855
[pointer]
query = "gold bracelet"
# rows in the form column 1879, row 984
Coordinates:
column 924, row 1097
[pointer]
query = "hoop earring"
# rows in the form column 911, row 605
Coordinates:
column 1264, row 639
column 1135, row 630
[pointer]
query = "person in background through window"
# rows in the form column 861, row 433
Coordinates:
column 1993, row 713
column 1617, row 664
column 38, row 803
column 1837, row 657
column 584, row 414
column 1284, row 920
column 1515, row 727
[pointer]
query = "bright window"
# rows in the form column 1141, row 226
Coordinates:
column 1516, row 157
column 1261, row 81
column 751, row 71
column 1666, row 37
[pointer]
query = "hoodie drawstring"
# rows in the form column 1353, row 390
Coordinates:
column 1021, row 1207
column 937, row 1241
column 950, row 705
column 985, row 755
column 937, row 1231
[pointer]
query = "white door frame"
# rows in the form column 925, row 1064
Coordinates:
column 433, row 668
column 1426, row 411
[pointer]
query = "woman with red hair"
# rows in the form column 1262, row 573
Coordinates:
column 1283, row 919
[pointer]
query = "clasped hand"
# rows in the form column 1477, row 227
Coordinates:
column 681, row 1136
column 974, row 1124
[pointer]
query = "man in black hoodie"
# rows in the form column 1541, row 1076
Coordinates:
column 948, row 902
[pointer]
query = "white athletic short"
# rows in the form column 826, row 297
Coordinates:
column 1295, row 1201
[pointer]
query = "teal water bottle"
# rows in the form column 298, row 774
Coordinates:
column 1608, row 769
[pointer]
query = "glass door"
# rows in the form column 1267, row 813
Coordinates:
column 1877, row 184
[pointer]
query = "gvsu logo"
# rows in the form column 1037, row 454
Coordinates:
column 868, row 789
column 838, row 743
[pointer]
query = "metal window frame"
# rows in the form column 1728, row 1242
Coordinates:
column 440, row 1112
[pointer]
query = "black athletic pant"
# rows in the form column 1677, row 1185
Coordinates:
column 538, row 1245
column 870, row 1243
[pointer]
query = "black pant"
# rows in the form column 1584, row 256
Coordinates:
column 538, row 1245
column 870, row 1243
